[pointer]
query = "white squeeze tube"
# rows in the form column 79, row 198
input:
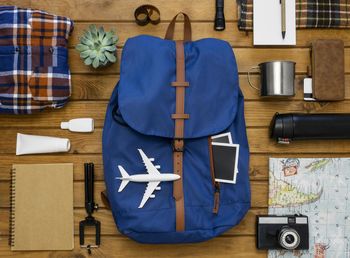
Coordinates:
column 35, row 144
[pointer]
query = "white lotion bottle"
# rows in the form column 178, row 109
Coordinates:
column 81, row 125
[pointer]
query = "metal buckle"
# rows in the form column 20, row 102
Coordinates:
column 178, row 148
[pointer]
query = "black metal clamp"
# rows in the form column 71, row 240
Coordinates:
column 90, row 207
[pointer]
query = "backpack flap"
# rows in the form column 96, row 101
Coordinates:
column 146, row 98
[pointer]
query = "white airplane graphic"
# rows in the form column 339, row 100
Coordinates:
column 154, row 177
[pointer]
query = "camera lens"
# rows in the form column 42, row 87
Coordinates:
column 289, row 238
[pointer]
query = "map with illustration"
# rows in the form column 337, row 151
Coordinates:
column 318, row 188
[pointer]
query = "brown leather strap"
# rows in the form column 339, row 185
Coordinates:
column 187, row 28
column 180, row 84
column 216, row 185
column 178, row 147
column 180, row 116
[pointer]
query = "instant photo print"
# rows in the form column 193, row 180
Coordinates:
column 225, row 156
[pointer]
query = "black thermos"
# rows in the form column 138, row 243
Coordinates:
column 294, row 126
column 219, row 23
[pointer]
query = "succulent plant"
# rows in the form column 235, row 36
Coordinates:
column 98, row 47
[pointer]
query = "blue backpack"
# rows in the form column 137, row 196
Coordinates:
column 172, row 97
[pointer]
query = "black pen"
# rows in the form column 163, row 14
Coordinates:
column 283, row 17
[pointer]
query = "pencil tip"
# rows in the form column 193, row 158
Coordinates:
column 283, row 34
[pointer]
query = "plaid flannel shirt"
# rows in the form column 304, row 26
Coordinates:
column 34, row 71
column 309, row 14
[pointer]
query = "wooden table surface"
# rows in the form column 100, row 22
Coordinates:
column 91, row 92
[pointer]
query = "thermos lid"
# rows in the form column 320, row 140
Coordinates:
column 282, row 126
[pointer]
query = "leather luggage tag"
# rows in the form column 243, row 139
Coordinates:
column 328, row 80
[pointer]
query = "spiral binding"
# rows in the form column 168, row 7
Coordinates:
column 12, row 208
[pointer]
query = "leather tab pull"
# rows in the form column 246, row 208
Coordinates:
column 180, row 84
column 216, row 185
column 216, row 202
column 180, row 116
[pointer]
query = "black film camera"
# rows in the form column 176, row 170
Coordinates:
column 283, row 232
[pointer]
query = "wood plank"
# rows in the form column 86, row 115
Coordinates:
column 260, row 143
column 259, row 194
column 108, row 227
column 258, row 140
column 53, row 118
column 252, row 94
column 100, row 87
column 258, row 163
column 77, row 160
column 245, row 57
column 121, row 247
column 80, row 142
column 201, row 30
column 79, row 196
column 257, row 113
column 93, row 87
column 22, row 3
column 119, row 10
column 260, row 113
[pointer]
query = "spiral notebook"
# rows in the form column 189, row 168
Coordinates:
column 41, row 207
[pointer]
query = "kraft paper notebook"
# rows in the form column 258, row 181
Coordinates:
column 42, row 207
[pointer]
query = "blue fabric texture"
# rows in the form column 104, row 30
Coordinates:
column 139, row 116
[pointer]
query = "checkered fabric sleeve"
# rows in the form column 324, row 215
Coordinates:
column 245, row 14
column 309, row 14
column 34, row 71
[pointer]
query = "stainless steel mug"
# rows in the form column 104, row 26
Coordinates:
column 276, row 78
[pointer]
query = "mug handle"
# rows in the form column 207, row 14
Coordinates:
column 248, row 76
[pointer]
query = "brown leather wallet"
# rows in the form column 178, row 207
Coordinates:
column 328, row 80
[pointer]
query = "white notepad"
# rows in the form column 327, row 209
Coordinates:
column 267, row 23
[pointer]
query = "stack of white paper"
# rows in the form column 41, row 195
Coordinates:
column 267, row 23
